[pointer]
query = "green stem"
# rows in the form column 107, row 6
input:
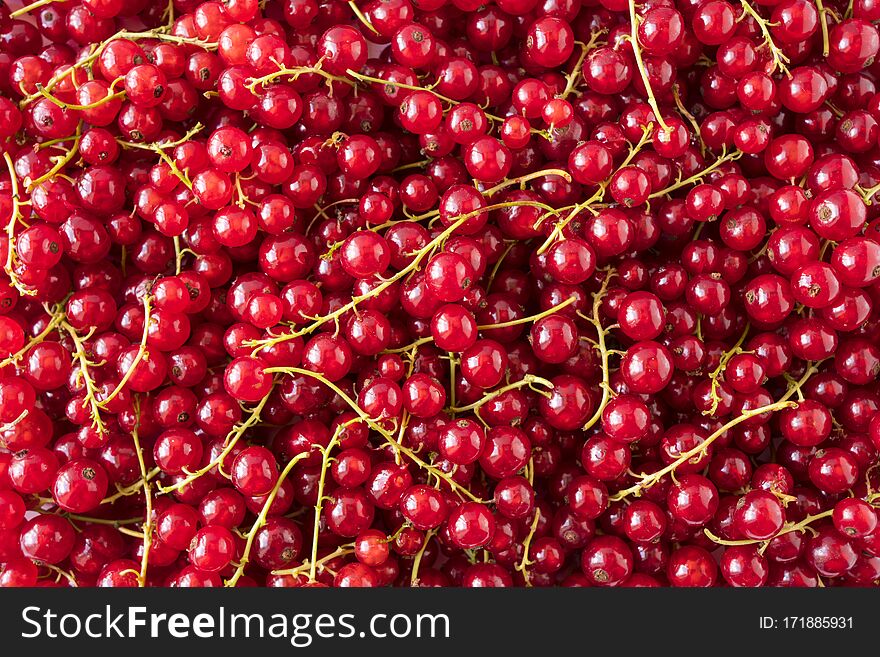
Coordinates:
column 640, row 64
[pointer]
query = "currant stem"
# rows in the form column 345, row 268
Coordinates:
column 61, row 161
column 389, row 437
column 451, row 384
column 13, row 423
column 82, row 63
column 787, row 528
column 417, row 560
column 869, row 192
column 52, row 142
column 722, row 365
column 319, row 505
column 412, row 345
column 400, row 85
column 779, row 58
column 14, row 218
column 485, row 327
column 697, row 177
column 676, row 95
column 160, row 147
column 85, row 364
column 103, row 521
column 160, row 34
column 232, row 439
column 531, row 318
column 34, row 5
column 60, row 572
column 57, row 315
column 140, row 355
column 603, row 350
column 148, row 513
column 597, row 197
column 723, row 541
column 322, row 212
column 259, row 345
column 497, row 266
column 133, row 488
column 411, row 87
column 335, row 388
column 261, row 519
column 640, row 63
column 293, row 74
column 572, row 78
column 526, row 178
column 106, row 99
column 523, row 565
column 341, row 551
column 823, row 23
column 651, row 479
column 361, row 17
column 527, row 380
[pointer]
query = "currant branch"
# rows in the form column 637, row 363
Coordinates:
column 341, row 551
column 604, row 354
column 132, row 489
column 61, row 161
column 292, row 74
column 787, row 528
column 103, row 521
column 528, row 380
column 259, row 345
column 823, row 24
column 140, row 355
column 319, row 505
column 649, row 480
column 232, row 439
column 521, row 180
column 676, row 95
column 698, row 177
column 159, row 33
column 160, row 148
column 573, row 77
column 868, row 193
column 523, row 565
column 597, row 197
column 34, row 5
column 60, row 572
column 14, row 423
column 377, row 427
column 261, row 519
column 486, row 327
column 361, row 17
column 148, row 512
column 640, row 64
column 15, row 218
column 85, row 365
column 417, row 560
column 69, row 106
column 411, row 87
column 780, row 60
column 715, row 375
column 57, row 316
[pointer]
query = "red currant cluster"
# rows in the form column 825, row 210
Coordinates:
column 439, row 293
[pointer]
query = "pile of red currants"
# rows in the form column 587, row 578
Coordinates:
column 439, row 293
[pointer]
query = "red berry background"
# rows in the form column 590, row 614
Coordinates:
column 439, row 293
